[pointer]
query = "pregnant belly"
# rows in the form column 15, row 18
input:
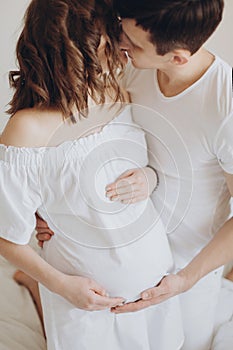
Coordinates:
column 124, row 271
column 129, row 270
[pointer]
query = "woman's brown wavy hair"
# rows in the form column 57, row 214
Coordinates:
column 57, row 56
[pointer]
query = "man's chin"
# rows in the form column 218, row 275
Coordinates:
column 135, row 64
column 138, row 66
column 126, row 58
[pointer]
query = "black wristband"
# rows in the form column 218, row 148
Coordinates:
column 157, row 177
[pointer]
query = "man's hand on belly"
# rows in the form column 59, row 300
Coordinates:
column 133, row 186
column 168, row 287
column 43, row 231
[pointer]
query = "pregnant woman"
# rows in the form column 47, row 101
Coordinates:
column 70, row 134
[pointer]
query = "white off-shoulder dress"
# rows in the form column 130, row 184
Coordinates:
column 122, row 247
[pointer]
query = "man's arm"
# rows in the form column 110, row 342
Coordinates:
column 218, row 252
column 229, row 180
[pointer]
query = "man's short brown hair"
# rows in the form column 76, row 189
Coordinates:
column 174, row 24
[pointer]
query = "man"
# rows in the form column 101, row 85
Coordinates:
column 182, row 96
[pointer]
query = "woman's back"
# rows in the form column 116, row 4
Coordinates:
column 69, row 189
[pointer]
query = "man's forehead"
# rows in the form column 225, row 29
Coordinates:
column 133, row 32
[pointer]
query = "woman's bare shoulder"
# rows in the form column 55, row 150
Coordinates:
column 28, row 128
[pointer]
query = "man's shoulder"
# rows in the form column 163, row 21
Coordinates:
column 215, row 88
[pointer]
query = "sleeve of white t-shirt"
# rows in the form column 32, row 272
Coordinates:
column 224, row 145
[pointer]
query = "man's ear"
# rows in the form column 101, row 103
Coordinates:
column 180, row 57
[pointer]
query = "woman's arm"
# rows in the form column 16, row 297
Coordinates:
column 31, row 128
column 82, row 292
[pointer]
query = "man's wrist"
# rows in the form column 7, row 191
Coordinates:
column 157, row 177
column 188, row 277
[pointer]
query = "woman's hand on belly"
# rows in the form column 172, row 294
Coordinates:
column 86, row 294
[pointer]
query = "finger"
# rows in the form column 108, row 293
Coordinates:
column 44, row 231
column 107, row 302
column 122, row 176
column 97, row 288
column 126, row 174
column 97, row 308
column 40, row 244
column 131, row 307
column 130, row 180
column 43, row 236
column 134, row 200
column 122, row 187
column 102, row 299
column 123, row 190
column 40, row 222
column 126, row 196
column 154, row 292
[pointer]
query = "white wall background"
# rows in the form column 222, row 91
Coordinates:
column 11, row 14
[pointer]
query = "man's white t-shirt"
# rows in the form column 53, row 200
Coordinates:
column 190, row 141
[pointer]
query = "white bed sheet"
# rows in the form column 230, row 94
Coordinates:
column 20, row 326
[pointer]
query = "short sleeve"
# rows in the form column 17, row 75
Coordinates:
column 19, row 195
column 224, row 145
